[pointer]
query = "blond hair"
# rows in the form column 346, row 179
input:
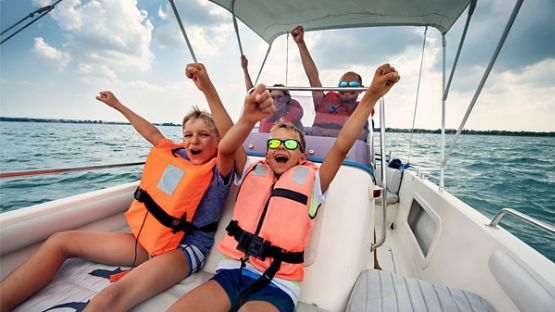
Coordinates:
column 196, row 113
column 289, row 126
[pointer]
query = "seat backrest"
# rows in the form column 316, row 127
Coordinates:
column 393, row 178
column 523, row 289
column 382, row 291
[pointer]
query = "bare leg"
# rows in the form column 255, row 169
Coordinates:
column 148, row 279
column 258, row 306
column 40, row 268
column 209, row 297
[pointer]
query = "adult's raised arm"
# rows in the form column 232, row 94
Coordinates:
column 309, row 66
column 246, row 75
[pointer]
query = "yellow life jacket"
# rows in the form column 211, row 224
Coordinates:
column 165, row 203
column 271, row 222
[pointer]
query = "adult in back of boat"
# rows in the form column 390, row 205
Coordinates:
column 179, row 180
column 287, row 108
column 332, row 108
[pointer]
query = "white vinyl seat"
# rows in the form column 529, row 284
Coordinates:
column 385, row 291
column 79, row 280
column 393, row 181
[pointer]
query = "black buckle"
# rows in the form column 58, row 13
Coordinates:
column 177, row 224
column 181, row 224
column 253, row 245
column 138, row 194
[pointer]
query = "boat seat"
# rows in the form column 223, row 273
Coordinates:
column 79, row 280
column 385, row 291
column 394, row 177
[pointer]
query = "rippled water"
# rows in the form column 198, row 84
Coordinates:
column 486, row 172
column 493, row 172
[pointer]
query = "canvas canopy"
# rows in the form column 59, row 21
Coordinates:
column 271, row 18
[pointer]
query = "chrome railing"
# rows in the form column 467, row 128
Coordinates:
column 59, row 170
column 384, row 180
column 503, row 212
column 296, row 88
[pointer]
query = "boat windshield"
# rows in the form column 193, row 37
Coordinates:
column 320, row 117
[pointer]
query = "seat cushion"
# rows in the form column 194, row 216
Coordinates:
column 385, row 291
column 78, row 281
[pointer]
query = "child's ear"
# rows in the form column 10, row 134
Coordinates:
column 304, row 157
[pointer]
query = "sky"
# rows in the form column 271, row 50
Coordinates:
column 56, row 67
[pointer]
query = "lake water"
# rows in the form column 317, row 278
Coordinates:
column 486, row 172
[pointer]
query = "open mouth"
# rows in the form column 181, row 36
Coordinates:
column 195, row 151
column 281, row 158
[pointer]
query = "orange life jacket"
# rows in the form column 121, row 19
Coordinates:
column 331, row 115
column 165, row 203
column 271, row 220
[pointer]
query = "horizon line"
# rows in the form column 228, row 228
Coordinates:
column 99, row 121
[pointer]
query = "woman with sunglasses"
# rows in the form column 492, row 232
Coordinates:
column 332, row 108
column 287, row 108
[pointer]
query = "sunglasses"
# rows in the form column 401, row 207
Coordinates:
column 289, row 144
column 351, row 84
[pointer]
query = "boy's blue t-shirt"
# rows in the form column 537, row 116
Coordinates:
column 210, row 209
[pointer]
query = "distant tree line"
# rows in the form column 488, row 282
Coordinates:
column 398, row 130
column 472, row 132
column 48, row 120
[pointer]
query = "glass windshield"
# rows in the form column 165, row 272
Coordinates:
column 322, row 114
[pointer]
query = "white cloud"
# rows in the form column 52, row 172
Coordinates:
column 109, row 32
column 210, row 41
column 69, row 15
column 49, row 53
column 206, row 32
column 98, row 71
column 518, row 101
column 162, row 14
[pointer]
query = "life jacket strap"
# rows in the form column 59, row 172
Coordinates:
column 262, row 281
column 255, row 246
column 292, row 195
column 165, row 219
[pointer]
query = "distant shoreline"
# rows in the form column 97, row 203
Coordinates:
column 396, row 130
column 75, row 121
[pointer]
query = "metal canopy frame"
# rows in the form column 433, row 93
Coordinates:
column 445, row 86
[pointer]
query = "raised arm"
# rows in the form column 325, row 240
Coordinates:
column 258, row 105
column 384, row 78
column 308, row 63
column 197, row 72
column 245, row 67
column 145, row 128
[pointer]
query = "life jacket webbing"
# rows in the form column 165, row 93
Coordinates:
column 255, row 246
column 167, row 220
column 262, row 281
column 296, row 196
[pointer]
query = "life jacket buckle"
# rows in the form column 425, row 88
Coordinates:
column 138, row 194
column 179, row 224
column 253, row 245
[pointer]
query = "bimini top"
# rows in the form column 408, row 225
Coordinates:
column 271, row 18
